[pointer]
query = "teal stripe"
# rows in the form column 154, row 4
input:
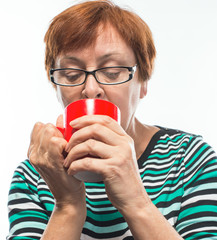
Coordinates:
column 94, row 185
column 28, row 224
column 93, row 190
column 103, row 218
column 203, row 174
column 192, row 142
column 195, row 157
column 104, row 209
column 158, row 172
column 164, row 141
column 49, row 206
column 30, row 169
column 23, row 186
column 183, row 141
column 171, row 153
column 45, row 192
column 197, row 209
column 29, row 165
column 182, row 225
column 27, row 213
column 165, row 197
column 169, row 209
column 200, row 235
column 198, row 188
column 98, row 203
column 173, row 184
column 23, row 238
column 14, row 196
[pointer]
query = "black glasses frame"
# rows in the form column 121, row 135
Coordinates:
column 131, row 70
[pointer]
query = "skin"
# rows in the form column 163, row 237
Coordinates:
column 116, row 147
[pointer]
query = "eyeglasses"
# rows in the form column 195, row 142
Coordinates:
column 70, row 77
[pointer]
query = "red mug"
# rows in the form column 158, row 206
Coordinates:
column 87, row 107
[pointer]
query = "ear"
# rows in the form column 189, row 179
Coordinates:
column 143, row 90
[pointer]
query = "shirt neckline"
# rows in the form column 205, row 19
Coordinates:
column 152, row 144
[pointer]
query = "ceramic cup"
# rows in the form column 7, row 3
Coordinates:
column 87, row 107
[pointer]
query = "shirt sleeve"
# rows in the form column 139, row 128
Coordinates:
column 198, row 215
column 27, row 215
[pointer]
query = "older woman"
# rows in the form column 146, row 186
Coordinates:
column 158, row 183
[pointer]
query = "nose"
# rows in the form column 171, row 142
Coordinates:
column 92, row 89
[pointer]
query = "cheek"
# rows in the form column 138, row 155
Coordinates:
column 67, row 95
column 129, row 104
column 126, row 98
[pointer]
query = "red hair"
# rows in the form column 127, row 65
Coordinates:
column 77, row 27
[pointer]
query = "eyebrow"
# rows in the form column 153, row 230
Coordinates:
column 101, row 60
column 106, row 56
column 73, row 59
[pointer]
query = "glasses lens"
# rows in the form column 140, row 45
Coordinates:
column 68, row 76
column 112, row 75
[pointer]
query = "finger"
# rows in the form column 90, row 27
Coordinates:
column 56, row 148
column 90, row 147
column 59, row 121
column 101, row 119
column 87, row 164
column 49, row 131
column 95, row 131
column 40, row 140
column 34, row 135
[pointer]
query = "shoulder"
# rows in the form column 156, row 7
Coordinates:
column 25, row 175
column 192, row 149
column 167, row 136
column 176, row 144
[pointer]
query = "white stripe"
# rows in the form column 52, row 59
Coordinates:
column 169, row 146
column 170, row 136
column 190, row 154
column 171, row 176
column 203, row 229
column 24, row 235
column 158, row 166
column 198, row 166
column 27, row 176
column 200, row 197
column 23, row 206
column 97, row 196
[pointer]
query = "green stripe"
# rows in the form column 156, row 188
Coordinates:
column 94, row 185
column 27, row 213
column 98, row 203
column 165, row 197
column 195, row 156
column 27, row 225
column 168, row 139
column 198, row 209
column 23, row 186
column 102, row 218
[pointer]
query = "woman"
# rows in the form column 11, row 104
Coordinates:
column 157, row 183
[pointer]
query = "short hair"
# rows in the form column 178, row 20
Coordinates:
column 77, row 27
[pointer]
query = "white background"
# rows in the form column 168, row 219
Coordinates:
column 182, row 92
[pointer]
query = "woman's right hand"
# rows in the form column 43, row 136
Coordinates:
column 46, row 155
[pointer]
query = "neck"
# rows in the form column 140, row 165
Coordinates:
column 141, row 134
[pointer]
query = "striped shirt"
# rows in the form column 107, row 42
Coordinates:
column 179, row 173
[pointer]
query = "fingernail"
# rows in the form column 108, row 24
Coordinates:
column 73, row 122
column 65, row 163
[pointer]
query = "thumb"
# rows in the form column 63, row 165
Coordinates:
column 59, row 121
column 59, row 124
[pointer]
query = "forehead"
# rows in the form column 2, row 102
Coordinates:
column 108, row 44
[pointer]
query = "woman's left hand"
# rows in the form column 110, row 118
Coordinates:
column 100, row 145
